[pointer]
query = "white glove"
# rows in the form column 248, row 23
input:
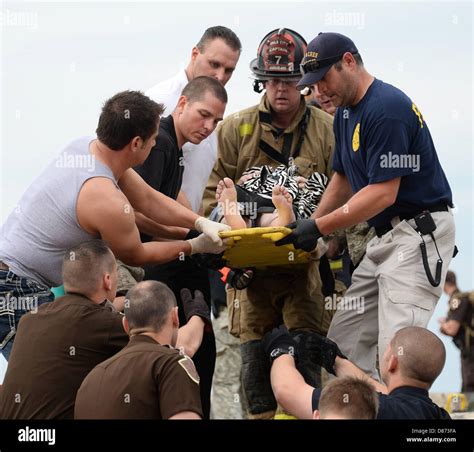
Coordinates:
column 211, row 229
column 204, row 244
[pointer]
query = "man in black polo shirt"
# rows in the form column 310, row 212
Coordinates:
column 413, row 360
column 200, row 107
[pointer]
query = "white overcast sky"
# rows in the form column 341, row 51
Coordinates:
column 61, row 60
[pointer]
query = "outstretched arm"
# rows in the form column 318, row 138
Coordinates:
column 336, row 194
column 153, row 204
column 290, row 389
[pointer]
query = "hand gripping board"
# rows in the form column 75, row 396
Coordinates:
column 254, row 247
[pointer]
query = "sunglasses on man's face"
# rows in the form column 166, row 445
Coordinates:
column 313, row 66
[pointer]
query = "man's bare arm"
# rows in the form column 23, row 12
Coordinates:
column 344, row 368
column 153, row 204
column 290, row 389
column 364, row 205
column 450, row 327
column 183, row 200
column 186, row 415
column 336, row 194
column 153, row 229
column 190, row 336
column 103, row 210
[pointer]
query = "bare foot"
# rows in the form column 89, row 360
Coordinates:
column 226, row 196
column 283, row 202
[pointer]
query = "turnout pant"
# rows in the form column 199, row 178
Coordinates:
column 274, row 297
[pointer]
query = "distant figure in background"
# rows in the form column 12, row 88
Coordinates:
column 460, row 326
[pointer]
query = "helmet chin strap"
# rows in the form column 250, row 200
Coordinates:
column 258, row 86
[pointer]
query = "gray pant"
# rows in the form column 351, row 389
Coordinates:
column 390, row 290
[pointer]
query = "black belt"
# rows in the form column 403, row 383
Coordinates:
column 381, row 230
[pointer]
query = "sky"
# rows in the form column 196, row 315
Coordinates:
column 61, row 60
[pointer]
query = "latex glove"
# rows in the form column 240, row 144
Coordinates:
column 204, row 244
column 211, row 229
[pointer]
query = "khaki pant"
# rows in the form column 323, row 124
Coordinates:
column 390, row 290
column 275, row 297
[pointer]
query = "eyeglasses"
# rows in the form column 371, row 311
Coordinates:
column 313, row 66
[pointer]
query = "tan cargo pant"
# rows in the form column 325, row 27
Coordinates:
column 390, row 290
column 276, row 296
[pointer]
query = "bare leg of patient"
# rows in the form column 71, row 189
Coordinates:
column 283, row 214
column 226, row 196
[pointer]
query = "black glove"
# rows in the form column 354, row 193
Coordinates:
column 192, row 234
column 195, row 306
column 279, row 342
column 305, row 235
column 320, row 349
column 240, row 278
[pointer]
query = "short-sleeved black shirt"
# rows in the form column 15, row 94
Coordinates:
column 145, row 380
column 164, row 167
column 405, row 402
column 54, row 349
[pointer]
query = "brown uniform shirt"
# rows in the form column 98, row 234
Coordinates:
column 461, row 309
column 145, row 380
column 54, row 350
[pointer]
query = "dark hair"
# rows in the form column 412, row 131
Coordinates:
column 421, row 354
column 84, row 265
column 125, row 116
column 148, row 304
column 349, row 397
column 197, row 88
column 357, row 58
column 219, row 32
column 451, row 278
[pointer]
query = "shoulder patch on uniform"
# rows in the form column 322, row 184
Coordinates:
column 245, row 129
column 454, row 303
column 188, row 365
column 356, row 138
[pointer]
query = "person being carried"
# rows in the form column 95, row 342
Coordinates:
column 266, row 197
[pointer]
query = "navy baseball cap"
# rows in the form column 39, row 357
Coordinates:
column 323, row 51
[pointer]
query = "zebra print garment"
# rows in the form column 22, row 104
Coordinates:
column 305, row 200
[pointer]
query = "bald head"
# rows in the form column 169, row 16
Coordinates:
column 148, row 305
column 421, row 354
